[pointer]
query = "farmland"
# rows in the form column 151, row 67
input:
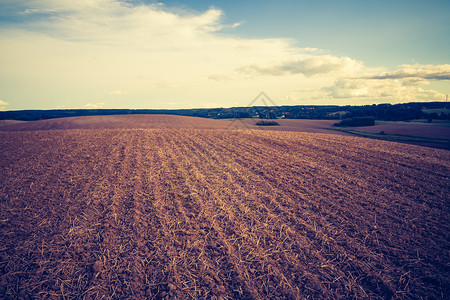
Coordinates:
column 222, row 214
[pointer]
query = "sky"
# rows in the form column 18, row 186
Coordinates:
column 203, row 54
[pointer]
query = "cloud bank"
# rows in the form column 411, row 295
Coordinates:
column 308, row 65
column 93, row 105
column 3, row 104
column 68, row 53
column 428, row 72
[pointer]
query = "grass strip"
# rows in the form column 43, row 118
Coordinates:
column 393, row 137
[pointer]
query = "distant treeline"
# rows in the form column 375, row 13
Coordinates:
column 387, row 112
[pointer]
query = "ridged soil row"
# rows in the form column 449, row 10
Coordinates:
column 181, row 242
column 359, row 151
column 24, row 216
column 404, row 155
column 47, row 185
column 148, row 277
column 306, row 174
column 178, row 214
column 334, row 185
column 290, row 170
column 373, row 235
column 112, row 266
column 222, row 256
column 277, row 196
column 375, row 163
column 224, row 217
column 385, row 191
column 85, row 152
column 304, row 210
column 213, row 213
column 203, row 206
column 414, row 173
column 264, row 241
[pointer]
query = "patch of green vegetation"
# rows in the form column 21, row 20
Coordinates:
column 267, row 123
column 443, row 123
column 338, row 114
column 356, row 121
column 438, row 111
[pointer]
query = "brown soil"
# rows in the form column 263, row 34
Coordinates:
column 163, row 121
column 118, row 122
column 221, row 214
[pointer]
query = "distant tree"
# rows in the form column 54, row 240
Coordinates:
column 267, row 123
column 356, row 121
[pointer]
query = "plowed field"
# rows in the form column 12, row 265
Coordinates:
column 221, row 214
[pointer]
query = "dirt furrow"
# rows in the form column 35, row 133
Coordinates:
column 249, row 210
column 336, row 183
column 58, row 215
column 377, row 234
column 310, row 224
column 224, row 216
column 357, row 245
column 181, row 242
column 220, row 214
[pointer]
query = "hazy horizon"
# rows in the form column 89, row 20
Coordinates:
column 111, row 54
column 221, row 107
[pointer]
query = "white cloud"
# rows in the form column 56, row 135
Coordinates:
column 119, row 23
column 74, row 50
column 392, row 90
column 308, row 65
column 402, row 85
column 3, row 104
column 428, row 72
column 236, row 25
column 118, row 93
column 312, row 50
column 94, row 105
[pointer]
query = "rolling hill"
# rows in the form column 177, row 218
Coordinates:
column 193, row 210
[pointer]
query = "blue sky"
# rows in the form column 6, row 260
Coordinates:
column 378, row 32
column 184, row 54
